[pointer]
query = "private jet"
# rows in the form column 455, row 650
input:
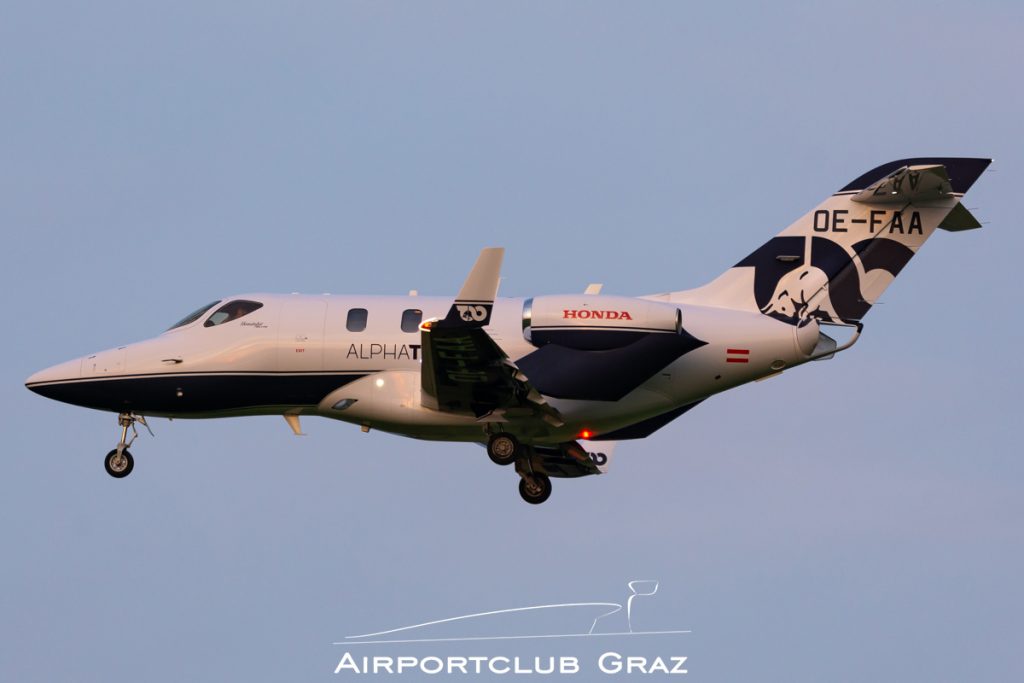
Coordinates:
column 546, row 383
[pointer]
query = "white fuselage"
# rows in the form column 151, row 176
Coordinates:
column 297, row 355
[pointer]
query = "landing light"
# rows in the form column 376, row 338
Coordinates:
column 379, row 382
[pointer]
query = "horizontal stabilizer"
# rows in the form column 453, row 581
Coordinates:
column 962, row 172
column 959, row 219
column 910, row 184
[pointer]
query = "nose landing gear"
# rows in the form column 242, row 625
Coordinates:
column 119, row 463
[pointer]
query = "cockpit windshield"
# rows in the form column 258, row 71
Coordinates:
column 232, row 310
column 193, row 316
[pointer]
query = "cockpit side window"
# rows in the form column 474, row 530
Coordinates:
column 193, row 316
column 233, row 310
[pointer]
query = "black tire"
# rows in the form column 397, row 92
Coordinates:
column 502, row 449
column 119, row 468
column 542, row 493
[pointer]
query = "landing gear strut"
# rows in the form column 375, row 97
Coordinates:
column 119, row 462
column 503, row 449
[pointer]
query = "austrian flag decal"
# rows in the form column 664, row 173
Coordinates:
column 737, row 355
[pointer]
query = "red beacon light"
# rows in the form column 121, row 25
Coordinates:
column 586, row 434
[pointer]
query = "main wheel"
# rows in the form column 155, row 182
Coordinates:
column 537, row 492
column 119, row 466
column 503, row 449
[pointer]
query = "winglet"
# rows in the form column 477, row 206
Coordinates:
column 472, row 306
column 600, row 452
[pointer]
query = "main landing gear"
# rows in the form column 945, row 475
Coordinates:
column 537, row 463
column 502, row 449
column 535, row 488
column 505, row 449
column 119, row 462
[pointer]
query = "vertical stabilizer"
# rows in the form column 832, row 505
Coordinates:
column 836, row 261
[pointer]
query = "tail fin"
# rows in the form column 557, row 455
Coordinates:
column 836, row 261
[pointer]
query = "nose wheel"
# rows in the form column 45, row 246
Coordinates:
column 119, row 463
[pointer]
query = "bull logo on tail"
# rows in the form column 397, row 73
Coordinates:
column 795, row 280
column 801, row 294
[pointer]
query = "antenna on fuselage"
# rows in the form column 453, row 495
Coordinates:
column 293, row 421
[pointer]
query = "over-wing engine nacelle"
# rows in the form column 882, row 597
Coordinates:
column 590, row 322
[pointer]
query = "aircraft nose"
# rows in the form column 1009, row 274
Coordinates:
column 72, row 369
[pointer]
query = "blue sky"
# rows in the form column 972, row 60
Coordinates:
column 857, row 518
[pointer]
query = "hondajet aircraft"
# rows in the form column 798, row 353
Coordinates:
column 548, row 383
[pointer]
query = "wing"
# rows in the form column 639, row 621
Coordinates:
column 464, row 370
